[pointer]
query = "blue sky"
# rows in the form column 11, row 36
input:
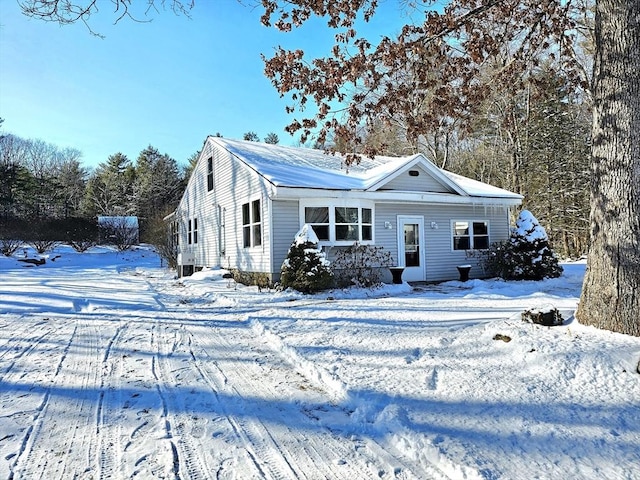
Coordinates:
column 168, row 83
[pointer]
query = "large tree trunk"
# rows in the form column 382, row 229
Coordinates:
column 611, row 291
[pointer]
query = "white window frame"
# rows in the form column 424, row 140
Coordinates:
column 195, row 230
column 332, row 205
column 472, row 235
column 252, row 225
column 210, row 178
column 222, row 231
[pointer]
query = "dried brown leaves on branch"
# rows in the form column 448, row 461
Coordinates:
column 427, row 72
column 433, row 71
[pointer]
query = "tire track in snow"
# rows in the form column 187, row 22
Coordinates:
column 24, row 460
column 182, row 425
column 338, row 391
column 22, row 351
column 108, row 449
column 265, row 463
column 277, row 444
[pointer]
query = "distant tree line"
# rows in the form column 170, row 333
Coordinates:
column 41, row 184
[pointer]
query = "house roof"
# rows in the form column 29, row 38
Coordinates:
column 296, row 167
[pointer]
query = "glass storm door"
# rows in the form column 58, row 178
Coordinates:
column 411, row 247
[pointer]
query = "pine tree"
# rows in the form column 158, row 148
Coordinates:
column 527, row 254
column 306, row 268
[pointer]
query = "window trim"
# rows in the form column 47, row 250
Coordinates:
column 332, row 205
column 249, row 239
column 222, row 231
column 195, row 230
column 210, row 174
column 471, row 235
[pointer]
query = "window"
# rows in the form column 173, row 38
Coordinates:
column 210, row 174
column 195, row 230
column 470, row 235
column 222, row 235
column 318, row 218
column 251, row 224
column 175, row 233
column 192, row 231
column 367, row 224
column 346, row 223
column 342, row 224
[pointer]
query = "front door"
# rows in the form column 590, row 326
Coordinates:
column 411, row 247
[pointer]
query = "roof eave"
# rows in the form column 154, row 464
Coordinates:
column 290, row 193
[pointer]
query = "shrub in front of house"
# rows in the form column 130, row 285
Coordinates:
column 527, row 254
column 361, row 265
column 306, row 269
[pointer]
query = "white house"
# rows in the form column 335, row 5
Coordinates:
column 245, row 202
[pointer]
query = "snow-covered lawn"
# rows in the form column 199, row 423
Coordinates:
column 110, row 367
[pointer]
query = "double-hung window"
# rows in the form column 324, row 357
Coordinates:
column 347, row 224
column 340, row 224
column 318, row 218
column 192, row 231
column 470, row 235
column 251, row 224
column 175, row 233
column 195, row 230
column 210, row 174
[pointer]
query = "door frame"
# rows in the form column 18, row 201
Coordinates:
column 412, row 274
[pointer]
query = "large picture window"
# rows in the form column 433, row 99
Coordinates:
column 469, row 235
column 340, row 224
column 251, row 224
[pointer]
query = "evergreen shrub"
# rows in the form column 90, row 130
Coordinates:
column 306, row 268
column 527, row 254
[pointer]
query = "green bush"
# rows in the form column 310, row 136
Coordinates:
column 527, row 254
column 306, row 268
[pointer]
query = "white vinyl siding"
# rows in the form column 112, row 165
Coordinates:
column 286, row 224
column 423, row 182
column 219, row 213
column 440, row 260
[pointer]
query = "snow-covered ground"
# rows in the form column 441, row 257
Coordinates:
column 110, row 367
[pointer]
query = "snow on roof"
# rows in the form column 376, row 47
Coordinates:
column 311, row 168
column 306, row 168
column 125, row 221
column 479, row 189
